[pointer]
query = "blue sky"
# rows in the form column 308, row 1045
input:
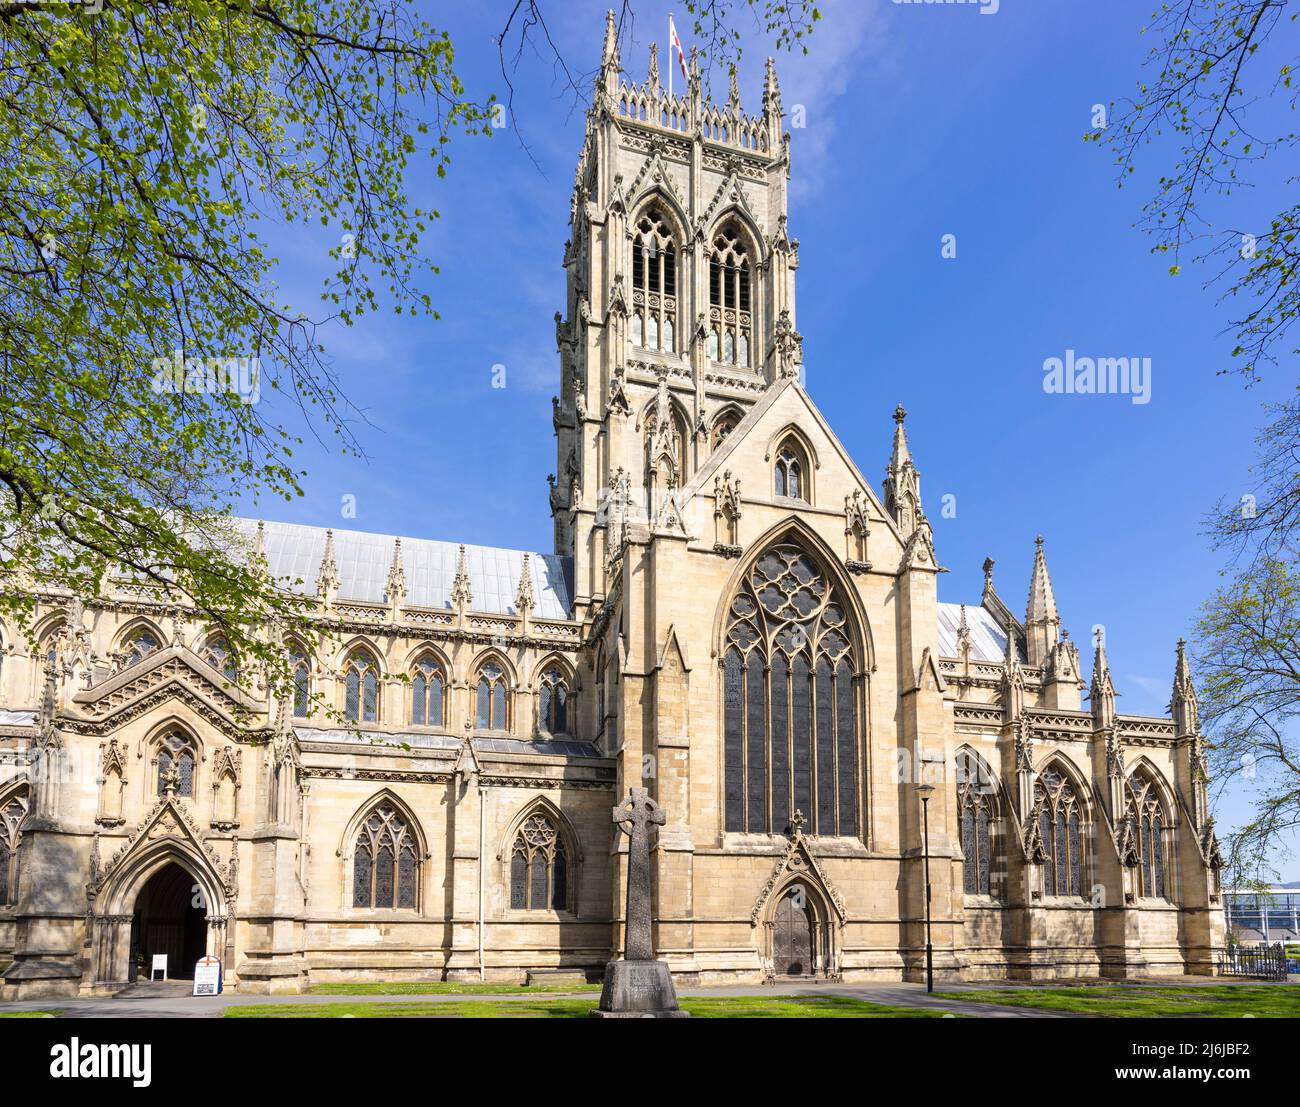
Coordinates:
column 921, row 121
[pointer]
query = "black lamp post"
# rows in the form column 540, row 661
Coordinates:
column 925, row 791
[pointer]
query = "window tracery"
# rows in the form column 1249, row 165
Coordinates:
column 539, row 867
column 1145, row 824
column 553, row 702
column 491, row 713
column 12, row 814
column 176, row 760
column 654, row 283
column 361, row 688
column 730, row 316
column 789, row 705
column 385, row 862
column 427, row 683
column 1058, row 810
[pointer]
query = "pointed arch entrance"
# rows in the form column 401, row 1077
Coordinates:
column 165, row 891
column 169, row 918
column 792, row 935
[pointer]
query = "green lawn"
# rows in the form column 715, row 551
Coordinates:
column 29, row 1014
column 739, row 1007
column 1120, row 1001
column 428, row 988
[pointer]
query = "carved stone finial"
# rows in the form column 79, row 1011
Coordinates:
column 461, row 595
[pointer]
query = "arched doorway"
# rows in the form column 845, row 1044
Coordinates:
column 792, row 936
column 170, row 918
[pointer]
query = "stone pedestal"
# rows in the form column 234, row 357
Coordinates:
column 638, row 990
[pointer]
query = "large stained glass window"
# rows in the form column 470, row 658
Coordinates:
column 789, row 706
column 539, row 867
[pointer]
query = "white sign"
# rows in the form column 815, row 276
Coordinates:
column 207, row 976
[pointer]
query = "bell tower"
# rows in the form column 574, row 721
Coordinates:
column 680, row 300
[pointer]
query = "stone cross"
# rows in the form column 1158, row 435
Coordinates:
column 634, row 816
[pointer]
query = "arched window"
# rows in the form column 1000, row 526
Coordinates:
column 553, row 702
column 654, row 283
column 977, row 817
column 361, row 687
column 539, row 867
column 139, row 645
column 789, row 708
column 385, row 861
column 1145, row 824
column 301, row 680
column 730, row 318
column 427, row 684
column 491, row 698
column 12, row 814
column 790, row 476
column 176, row 765
column 722, row 430
column 1058, row 810
column 217, row 653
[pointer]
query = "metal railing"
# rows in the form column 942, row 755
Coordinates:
column 1263, row 962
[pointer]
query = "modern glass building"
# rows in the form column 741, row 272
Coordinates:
column 1268, row 915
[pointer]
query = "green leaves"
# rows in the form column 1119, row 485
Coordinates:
column 141, row 150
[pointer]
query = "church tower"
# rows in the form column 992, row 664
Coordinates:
column 680, row 306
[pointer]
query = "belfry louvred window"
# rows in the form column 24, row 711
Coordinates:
column 789, row 702
column 385, row 862
column 654, row 284
column 730, row 311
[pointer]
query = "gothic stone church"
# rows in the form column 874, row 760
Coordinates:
column 733, row 617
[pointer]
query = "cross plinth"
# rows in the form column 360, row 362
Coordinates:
column 638, row 986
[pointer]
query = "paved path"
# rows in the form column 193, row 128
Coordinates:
column 170, row 1001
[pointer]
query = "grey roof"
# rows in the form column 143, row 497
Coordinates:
column 17, row 718
column 294, row 551
column 988, row 641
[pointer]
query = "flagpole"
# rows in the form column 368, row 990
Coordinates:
column 670, row 55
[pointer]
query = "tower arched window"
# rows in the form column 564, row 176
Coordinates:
column 539, row 867
column 730, row 311
column 978, row 819
column 218, row 654
column 427, row 684
column 654, row 283
column 361, row 688
column 790, row 475
column 789, row 705
column 139, row 645
column 490, row 695
column 385, row 862
column 1145, row 823
column 176, row 760
column 12, row 814
column 554, row 706
column 301, row 680
column 1059, row 814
